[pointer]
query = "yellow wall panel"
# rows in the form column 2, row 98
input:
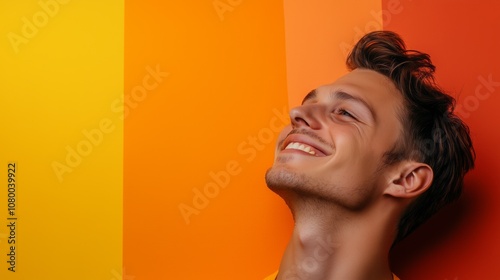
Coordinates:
column 61, row 67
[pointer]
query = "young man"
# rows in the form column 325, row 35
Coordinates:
column 366, row 160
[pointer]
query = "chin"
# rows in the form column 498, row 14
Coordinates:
column 281, row 177
column 284, row 180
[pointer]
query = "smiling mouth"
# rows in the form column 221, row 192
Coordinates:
column 307, row 142
column 301, row 147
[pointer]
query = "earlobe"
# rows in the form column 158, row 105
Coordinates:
column 412, row 180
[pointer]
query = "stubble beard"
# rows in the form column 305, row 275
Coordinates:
column 280, row 176
column 287, row 182
column 283, row 180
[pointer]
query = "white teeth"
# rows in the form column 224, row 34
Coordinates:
column 299, row 146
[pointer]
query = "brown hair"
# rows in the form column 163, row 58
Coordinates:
column 432, row 133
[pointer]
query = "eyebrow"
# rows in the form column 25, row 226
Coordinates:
column 309, row 96
column 342, row 95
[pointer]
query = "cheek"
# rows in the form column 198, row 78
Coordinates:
column 354, row 157
column 282, row 136
column 348, row 148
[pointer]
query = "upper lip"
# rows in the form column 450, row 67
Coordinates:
column 304, row 139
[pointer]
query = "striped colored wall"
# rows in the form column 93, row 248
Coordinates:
column 141, row 132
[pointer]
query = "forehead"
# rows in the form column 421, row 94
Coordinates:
column 372, row 86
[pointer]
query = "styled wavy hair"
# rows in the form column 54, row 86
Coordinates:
column 432, row 133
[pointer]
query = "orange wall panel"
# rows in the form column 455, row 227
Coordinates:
column 319, row 34
column 205, row 92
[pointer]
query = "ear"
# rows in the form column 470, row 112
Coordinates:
column 409, row 180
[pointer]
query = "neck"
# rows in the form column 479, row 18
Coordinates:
column 329, row 242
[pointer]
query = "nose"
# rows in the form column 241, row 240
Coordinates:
column 305, row 116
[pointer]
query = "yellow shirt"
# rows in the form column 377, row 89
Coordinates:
column 273, row 276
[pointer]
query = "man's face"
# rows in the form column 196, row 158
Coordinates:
column 335, row 144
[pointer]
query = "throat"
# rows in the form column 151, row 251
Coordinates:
column 328, row 243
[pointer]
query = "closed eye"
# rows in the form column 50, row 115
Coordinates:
column 343, row 112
